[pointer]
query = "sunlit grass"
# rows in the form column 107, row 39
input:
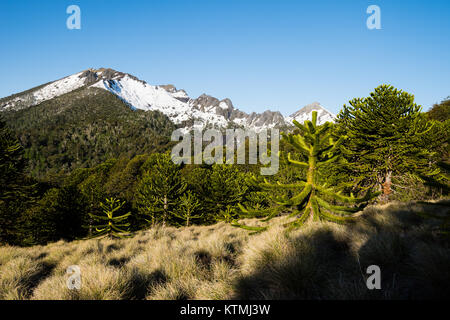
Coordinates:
column 318, row 261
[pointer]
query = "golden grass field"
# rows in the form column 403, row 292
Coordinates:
column 318, row 261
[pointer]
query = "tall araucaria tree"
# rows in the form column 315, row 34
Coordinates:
column 159, row 189
column 15, row 188
column 311, row 198
column 385, row 133
column 188, row 208
column 111, row 223
column 226, row 188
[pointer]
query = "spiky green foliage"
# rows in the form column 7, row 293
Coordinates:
column 309, row 199
column 440, row 111
column 111, row 223
column 60, row 214
column 11, row 162
column 227, row 215
column 188, row 207
column 159, row 189
column 386, row 139
column 15, row 187
column 226, row 187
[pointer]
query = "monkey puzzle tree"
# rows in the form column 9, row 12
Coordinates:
column 159, row 189
column 386, row 139
column 440, row 111
column 58, row 215
column 92, row 186
column 188, row 206
column 227, row 215
column 310, row 198
column 226, row 187
column 111, row 225
column 15, row 188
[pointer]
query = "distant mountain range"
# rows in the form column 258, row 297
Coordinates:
column 182, row 110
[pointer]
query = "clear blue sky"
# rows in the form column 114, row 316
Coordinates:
column 261, row 54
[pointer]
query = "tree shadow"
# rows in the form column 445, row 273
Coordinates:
column 141, row 285
column 30, row 283
column 326, row 265
column 302, row 272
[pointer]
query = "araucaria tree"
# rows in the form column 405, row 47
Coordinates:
column 310, row 198
column 226, row 188
column 159, row 189
column 15, row 190
column 385, row 131
column 188, row 208
column 111, row 224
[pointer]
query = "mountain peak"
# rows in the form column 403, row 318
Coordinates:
column 305, row 113
column 174, row 103
column 315, row 106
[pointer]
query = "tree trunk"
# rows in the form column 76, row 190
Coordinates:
column 387, row 186
column 310, row 178
column 90, row 227
column 165, row 210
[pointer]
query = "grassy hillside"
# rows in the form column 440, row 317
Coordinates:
column 319, row 261
column 84, row 128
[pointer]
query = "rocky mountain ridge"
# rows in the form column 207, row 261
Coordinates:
column 184, row 111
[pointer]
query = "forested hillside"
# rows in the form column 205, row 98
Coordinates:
column 84, row 128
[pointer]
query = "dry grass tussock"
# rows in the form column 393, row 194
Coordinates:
column 319, row 261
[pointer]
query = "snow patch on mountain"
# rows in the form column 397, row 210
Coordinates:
column 305, row 113
column 146, row 97
column 47, row 92
column 141, row 95
column 60, row 87
column 205, row 111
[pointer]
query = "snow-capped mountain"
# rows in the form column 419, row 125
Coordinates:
column 305, row 113
column 204, row 111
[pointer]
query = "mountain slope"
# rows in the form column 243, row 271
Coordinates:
column 84, row 128
column 42, row 93
column 184, row 111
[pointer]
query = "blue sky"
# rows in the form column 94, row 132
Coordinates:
column 278, row 55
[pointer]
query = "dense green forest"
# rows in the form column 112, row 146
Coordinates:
column 84, row 128
column 70, row 165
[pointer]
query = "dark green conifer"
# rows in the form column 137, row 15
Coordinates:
column 110, row 223
column 16, row 189
column 188, row 208
column 310, row 198
column 226, row 188
column 385, row 134
column 159, row 189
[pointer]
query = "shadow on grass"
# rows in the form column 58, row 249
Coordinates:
column 140, row 286
column 27, row 285
column 323, row 264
